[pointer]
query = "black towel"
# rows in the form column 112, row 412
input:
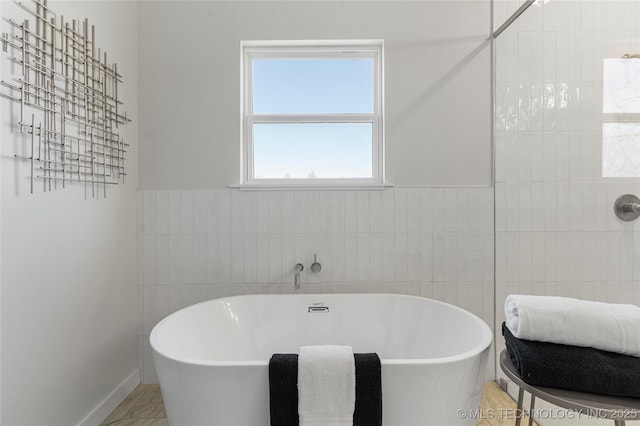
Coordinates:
column 368, row 410
column 283, row 390
column 573, row 367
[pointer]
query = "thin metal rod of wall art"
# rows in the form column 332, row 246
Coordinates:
column 68, row 87
column 524, row 6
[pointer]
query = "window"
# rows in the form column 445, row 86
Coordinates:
column 621, row 113
column 312, row 114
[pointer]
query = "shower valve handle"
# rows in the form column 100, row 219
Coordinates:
column 627, row 207
column 315, row 266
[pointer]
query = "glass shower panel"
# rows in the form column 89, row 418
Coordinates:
column 567, row 109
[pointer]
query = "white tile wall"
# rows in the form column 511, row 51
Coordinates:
column 196, row 245
column 556, row 233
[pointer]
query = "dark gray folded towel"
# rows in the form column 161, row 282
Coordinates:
column 283, row 390
column 573, row 367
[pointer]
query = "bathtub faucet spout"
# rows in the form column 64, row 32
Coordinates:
column 296, row 280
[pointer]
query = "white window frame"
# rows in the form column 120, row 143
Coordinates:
column 348, row 49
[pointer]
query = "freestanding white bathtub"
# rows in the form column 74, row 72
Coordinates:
column 212, row 357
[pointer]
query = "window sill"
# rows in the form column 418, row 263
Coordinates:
column 364, row 186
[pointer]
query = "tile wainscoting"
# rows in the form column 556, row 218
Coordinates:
column 195, row 245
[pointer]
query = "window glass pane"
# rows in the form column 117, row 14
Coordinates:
column 621, row 86
column 312, row 150
column 621, row 150
column 312, row 86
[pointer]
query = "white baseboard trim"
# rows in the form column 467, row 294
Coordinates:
column 107, row 405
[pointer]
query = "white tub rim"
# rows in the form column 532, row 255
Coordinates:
column 483, row 345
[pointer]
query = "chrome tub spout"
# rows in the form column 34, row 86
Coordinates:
column 296, row 280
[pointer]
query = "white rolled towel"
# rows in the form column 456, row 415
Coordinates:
column 326, row 385
column 607, row 326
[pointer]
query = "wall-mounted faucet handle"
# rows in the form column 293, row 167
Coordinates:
column 315, row 266
column 627, row 207
column 296, row 280
column 631, row 207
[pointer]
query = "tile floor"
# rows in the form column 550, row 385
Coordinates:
column 497, row 408
column 144, row 407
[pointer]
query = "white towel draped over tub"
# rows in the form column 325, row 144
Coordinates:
column 326, row 385
column 607, row 326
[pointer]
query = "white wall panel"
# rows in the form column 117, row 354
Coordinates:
column 437, row 84
column 69, row 320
